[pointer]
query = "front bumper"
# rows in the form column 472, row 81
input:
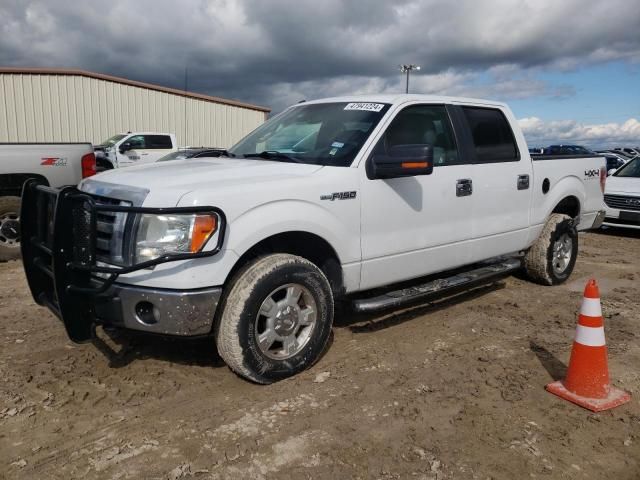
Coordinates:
column 60, row 234
column 622, row 210
column 162, row 311
column 613, row 219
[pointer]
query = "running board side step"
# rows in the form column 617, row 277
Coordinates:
column 438, row 287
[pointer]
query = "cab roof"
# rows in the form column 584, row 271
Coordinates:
column 397, row 99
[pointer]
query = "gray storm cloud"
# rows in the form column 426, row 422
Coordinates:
column 277, row 52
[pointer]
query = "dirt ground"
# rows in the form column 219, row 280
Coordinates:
column 450, row 390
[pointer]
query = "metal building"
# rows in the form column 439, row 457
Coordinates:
column 60, row 105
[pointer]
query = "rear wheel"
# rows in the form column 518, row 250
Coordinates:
column 9, row 228
column 552, row 257
column 276, row 318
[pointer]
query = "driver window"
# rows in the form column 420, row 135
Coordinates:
column 423, row 124
column 137, row 141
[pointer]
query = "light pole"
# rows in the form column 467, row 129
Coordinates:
column 407, row 69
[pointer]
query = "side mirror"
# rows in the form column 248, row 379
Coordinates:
column 126, row 146
column 611, row 171
column 402, row 161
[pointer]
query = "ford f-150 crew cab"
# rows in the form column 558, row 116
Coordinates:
column 378, row 201
column 55, row 164
column 134, row 148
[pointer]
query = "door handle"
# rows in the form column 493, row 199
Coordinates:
column 523, row 182
column 464, row 187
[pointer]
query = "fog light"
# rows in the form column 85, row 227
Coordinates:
column 147, row 313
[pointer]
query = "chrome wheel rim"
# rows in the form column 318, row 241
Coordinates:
column 10, row 229
column 562, row 252
column 285, row 321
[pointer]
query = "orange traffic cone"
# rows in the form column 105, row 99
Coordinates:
column 587, row 381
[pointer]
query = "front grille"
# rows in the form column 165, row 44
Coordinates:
column 623, row 202
column 110, row 228
column 81, row 234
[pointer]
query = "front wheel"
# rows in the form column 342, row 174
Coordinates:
column 276, row 318
column 9, row 228
column 551, row 259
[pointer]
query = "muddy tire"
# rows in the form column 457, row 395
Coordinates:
column 9, row 228
column 275, row 319
column 551, row 259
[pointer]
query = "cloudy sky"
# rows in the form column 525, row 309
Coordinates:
column 570, row 69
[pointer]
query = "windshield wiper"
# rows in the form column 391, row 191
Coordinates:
column 224, row 153
column 273, row 155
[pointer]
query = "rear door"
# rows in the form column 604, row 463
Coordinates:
column 155, row 147
column 501, row 182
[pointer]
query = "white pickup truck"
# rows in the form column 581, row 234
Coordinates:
column 379, row 201
column 54, row 164
column 134, row 148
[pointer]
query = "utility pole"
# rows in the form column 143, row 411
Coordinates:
column 407, row 69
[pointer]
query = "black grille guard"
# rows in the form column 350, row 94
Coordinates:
column 58, row 232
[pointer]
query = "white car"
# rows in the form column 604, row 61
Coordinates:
column 622, row 196
column 337, row 200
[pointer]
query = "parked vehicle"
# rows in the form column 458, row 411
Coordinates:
column 133, row 148
column 630, row 152
column 613, row 161
column 193, row 152
column 622, row 196
column 623, row 154
column 566, row 150
column 53, row 164
column 375, row 201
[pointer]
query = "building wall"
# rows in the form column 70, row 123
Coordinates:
column 74, row 108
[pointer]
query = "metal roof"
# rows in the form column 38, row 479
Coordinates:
column 133, row 83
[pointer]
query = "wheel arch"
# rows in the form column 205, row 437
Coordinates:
column 569, row 205
column 11, row 183
column 567, row 196
column 308, row 245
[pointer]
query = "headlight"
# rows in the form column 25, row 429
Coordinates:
column 165, row 234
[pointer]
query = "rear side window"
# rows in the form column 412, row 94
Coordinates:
column 157, row 142
column 492, row 136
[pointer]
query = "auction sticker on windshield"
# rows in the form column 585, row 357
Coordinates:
column 369, row 107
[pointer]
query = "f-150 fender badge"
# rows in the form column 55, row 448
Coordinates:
column 592, row 173
column 339, row 196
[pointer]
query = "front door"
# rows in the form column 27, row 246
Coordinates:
column 132, row 156
column 414, row 226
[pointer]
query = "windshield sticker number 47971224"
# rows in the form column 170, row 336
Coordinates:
column 368, row 107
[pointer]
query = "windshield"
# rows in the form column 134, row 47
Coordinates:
column 110, row 142
column 631, row 169
column 179, row 155
column 323, row 133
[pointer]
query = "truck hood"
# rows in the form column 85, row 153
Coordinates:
column 623, row 185
column 182, row 176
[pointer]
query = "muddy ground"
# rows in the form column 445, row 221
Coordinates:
column 452, row 389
